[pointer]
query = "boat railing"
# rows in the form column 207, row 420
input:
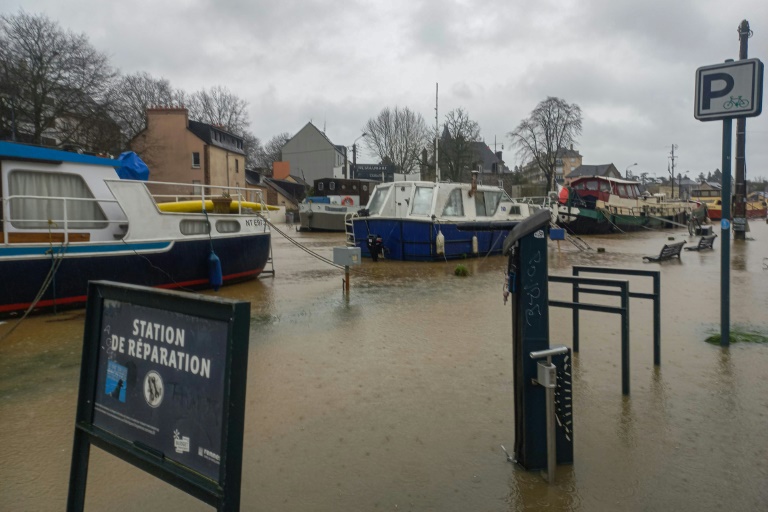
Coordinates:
column 200, row 192
column 68, row 227
column 649, row 209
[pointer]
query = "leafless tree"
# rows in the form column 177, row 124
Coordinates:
column 457, row 144
column 57, row 80
column 398, row 136
column 219, row 107
column 273, row 150
column 551, row 127
column 253, row 150
column 130, row 97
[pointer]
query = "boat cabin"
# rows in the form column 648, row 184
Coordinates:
column 53, row 196
column 342, row 191
column 599, row 188
column 448, row 201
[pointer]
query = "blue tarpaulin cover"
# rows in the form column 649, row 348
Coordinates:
column 132, row 167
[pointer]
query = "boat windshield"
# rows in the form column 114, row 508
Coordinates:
column 454, row 207
column 486, row 203
column 422, row 201
column 377, row 201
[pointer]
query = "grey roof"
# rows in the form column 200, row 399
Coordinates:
column 595, row 170
column 253, row 177
column 340, row 149
column 567, row 153
column 292, row 191
column 219, row 137
column 488, row 157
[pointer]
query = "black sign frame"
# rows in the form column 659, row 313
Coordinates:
column 224, row 492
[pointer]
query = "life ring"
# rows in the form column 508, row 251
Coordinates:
column 347, row 201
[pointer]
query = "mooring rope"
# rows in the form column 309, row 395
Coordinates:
column 313, row 253
column 56, row 258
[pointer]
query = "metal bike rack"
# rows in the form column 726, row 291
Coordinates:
column 655, row 296
column 622, row 310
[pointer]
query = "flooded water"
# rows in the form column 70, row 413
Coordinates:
column 400, row 397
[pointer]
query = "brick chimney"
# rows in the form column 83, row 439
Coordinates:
column 170, row 115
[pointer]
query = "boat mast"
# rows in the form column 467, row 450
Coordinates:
column 437, row 134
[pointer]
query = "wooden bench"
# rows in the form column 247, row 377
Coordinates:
column 705, row 242
column 668, row 252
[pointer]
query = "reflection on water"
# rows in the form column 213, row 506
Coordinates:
column 399, row 397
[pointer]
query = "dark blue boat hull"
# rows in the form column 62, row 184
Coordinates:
column 412, row 240
column 181, row 265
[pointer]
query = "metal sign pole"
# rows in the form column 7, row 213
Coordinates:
column 725, row 236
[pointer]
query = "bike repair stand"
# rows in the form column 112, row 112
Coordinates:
column 542, row 392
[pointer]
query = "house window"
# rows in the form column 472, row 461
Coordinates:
column 196, row 188
column 196, row 160
column 237, row 165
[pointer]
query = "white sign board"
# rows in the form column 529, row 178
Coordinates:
column 731, row 89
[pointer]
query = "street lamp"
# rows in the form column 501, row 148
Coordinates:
column 626, row 171
column 354, row 152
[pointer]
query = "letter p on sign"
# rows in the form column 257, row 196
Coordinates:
column 732, row 89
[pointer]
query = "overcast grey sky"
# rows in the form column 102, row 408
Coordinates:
column 630, row 66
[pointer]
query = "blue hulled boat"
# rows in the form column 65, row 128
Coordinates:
column 426, row 221
column 69, row 218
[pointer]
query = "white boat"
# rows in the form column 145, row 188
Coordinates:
column 426, row 221
column 332, row 200
column 69, row 218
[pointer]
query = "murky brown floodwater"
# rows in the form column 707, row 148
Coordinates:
column 399, row 398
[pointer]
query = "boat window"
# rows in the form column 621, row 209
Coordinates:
column 227, row 226
column 422, row 201
column 454, row 207
column 622, row 190
column 605, row 187
column 194, row 227
column 592, row 185
column 64, row 196
column 486, row 203
column 377, row 201
column 630, row 191
column 514, row 210
column 320, row 186
column 332, row 185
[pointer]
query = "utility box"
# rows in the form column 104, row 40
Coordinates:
column 346, row 256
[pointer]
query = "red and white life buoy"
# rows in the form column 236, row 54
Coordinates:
column 347, row 201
